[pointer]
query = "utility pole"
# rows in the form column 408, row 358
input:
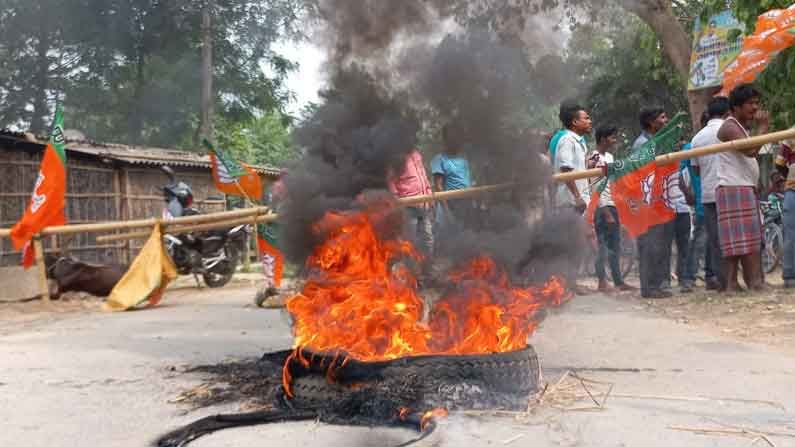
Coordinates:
column 206, row 125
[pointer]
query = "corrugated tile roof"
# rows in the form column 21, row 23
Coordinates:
column 139, row 155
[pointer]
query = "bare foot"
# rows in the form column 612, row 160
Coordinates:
column 763, row 287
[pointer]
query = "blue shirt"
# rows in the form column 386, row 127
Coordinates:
column 553, row 143
column 454, row 169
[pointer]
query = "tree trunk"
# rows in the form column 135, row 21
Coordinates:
column 698, row 101
column 676, row 45
column 135, row 120
column 41, row 83
column 206, row 123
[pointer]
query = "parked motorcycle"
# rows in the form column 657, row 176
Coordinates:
column 212, row 254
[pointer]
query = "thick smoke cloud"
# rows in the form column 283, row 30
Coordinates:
column 388, row 67
column 351, row 142
column 481, row 87
column 365, row 30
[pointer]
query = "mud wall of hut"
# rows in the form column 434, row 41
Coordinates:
column 96, row 192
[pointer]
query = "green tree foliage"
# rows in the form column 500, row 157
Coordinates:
column 746, row 11
column 777, row 82
column 129, row 70
column 263, row 140
column 625, row 70
column 28, row 68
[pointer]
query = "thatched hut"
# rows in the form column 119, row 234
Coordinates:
column 106, row 182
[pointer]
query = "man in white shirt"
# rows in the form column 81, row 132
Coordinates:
column 706, row 168
column 606, row 222
column 570, row 156
column 570, row 153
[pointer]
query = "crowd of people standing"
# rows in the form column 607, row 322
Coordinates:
column 717, row 220
column 714, row 197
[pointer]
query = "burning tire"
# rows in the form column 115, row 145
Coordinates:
column 503, row 380
column 390, row 393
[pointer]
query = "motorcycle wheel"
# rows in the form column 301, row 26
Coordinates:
column 220, row 275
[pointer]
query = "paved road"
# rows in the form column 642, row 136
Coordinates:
column 104, row 380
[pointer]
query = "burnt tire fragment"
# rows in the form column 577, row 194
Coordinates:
column 491, row 381
column 342, row 391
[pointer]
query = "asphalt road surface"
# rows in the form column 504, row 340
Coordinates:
column 98, row 379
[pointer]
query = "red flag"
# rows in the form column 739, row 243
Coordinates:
column 642, row 197
column 48, row 202
column 28, row 255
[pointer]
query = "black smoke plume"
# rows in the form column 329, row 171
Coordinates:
column 389, row 73
column 351, row 142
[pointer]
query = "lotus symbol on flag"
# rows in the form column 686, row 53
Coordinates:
column 648, row 185
column 671, row 182
column 38, row 199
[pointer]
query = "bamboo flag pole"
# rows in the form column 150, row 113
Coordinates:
column 457, row 194
column 188, row 228
column 251, row 203
column 263, row 213
column 38, row 251
column 736, row 145
column 104, row 227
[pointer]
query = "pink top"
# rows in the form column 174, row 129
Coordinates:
column 413, row 181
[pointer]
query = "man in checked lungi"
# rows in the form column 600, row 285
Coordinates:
column 739, row 220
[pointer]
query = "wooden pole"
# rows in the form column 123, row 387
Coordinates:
column 457, row 194
column 561, row 177
column 736, row 145
column 188, row 228
column 206, row 97
column 38, row 250
column 105, row 227
column 247, row 254
column 128, row 247
column 261, row 212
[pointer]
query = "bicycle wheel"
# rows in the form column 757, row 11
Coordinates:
column 774, row 247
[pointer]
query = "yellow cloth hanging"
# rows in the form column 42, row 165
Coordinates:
column 147, row 278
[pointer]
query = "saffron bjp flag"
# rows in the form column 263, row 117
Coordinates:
column 147, row 279
column 232, row 177
column 774, row 32
column 641, row 188
column 272, row 257
column 48, row 202
column 596, row 191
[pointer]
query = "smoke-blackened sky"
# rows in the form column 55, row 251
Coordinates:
column 390, row 63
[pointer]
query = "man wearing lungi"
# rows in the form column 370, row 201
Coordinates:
column 739, row 220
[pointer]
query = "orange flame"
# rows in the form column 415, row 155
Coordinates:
column 437, row 413
column 356, row 302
